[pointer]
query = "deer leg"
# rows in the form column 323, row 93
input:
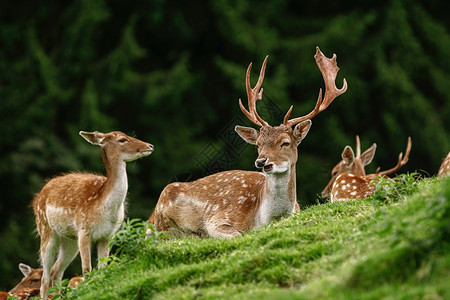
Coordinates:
column 84, row 244
column 48, row 254
column 67, row 252
column 221, row 229
column 102, row 251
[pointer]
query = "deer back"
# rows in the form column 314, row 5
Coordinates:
column 445, row 167
column 350, row 186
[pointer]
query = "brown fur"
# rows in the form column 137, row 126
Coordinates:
column 31, row 279
column 445, row 167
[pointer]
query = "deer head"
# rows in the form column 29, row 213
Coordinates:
column 351, row 164
column 31, row 279
column 277, row 146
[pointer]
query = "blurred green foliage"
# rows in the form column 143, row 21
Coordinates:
column 171, row 73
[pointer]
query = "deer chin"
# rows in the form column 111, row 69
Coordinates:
column 140, row 155
column 275, row 169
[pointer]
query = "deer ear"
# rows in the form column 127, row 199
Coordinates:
column 25, row 269
column 95, row 138
column 301, row 130
column 248, row 134
column 348, row 156
column 368, row 155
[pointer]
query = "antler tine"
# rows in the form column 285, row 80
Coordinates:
column 358, row 146
column 254, row 94
column 401, row 161
column 329, row 69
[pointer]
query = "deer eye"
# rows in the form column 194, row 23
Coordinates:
column 285, row 144
column 334, row 173
column 123, row 140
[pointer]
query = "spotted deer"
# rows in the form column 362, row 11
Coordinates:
column 74, row 210
column 445, row 167
column 22, row 294
column 349, row 179
column 31, row 279
column 225, row 204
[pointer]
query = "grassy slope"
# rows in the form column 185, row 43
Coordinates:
column 333, row 251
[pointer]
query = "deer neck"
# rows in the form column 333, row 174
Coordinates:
column 116, row 186
column 279, row 197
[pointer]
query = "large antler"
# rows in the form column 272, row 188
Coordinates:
column 401, row 162
column 254, row 94
column 329, row 69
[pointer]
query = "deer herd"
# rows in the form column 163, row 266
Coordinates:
column 76, row 210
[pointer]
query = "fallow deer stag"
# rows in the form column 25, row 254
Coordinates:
column 77, row 209
column 349, row 179
column 445, row 167
column 225, row 204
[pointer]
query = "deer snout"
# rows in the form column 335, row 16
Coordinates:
column 326, row 193
column 260, row 162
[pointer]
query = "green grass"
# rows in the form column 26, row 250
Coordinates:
column 394, row 245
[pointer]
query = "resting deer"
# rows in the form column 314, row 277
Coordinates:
column 22, row 294
column 31, row 279
column 349, row 179
column 225, row 204
column 77, row 209
column 445, row 167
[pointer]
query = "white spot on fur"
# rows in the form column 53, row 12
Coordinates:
column 242, row 199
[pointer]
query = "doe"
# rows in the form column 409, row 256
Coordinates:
column 74, row 210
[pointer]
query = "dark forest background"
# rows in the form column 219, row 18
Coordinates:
column 171, row 73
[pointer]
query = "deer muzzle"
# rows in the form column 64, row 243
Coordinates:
column 260, row 163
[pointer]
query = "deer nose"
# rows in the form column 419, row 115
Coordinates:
column 261, row 162
column 151, row 146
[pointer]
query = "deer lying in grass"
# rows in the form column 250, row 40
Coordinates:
column 445, row 167
column 23, row 294
column 30, row 284
column 77, row 209
column 225, row 204
column 349, row 179
column 31, row 279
